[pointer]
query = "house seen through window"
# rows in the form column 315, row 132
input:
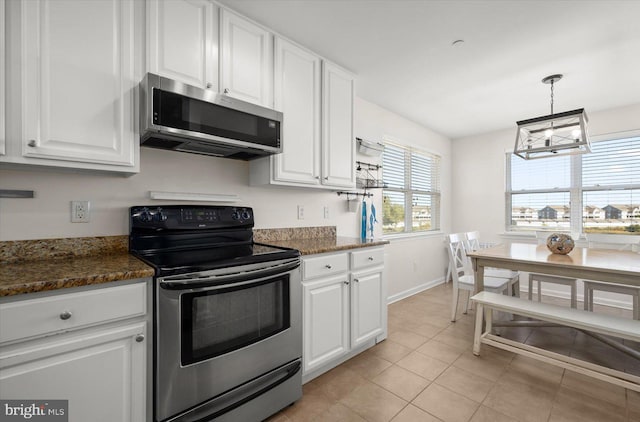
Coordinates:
column 594, row 192
column 411, row 197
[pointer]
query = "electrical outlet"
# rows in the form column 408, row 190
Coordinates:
column 326, row 212
column 300, row 212
column 80, row 211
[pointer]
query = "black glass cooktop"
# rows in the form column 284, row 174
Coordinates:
column 204, row 259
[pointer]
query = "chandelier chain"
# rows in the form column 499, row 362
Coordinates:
column 552, row 96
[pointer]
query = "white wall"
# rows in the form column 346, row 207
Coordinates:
column 412, row 262
column 417, row 262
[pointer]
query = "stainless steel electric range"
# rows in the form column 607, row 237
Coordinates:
column 227, row 314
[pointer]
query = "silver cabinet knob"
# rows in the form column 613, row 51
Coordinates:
column 346, row 282
column 32, row 143
column 140, row 338
column 209, row 84
column 356, row 280
column 328, row 266
column 326, row 178
column 65, row 315
column 226, row 90
column 370, row 258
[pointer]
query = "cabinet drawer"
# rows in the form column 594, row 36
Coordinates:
column 47, row 315
column 367, row 257
column 324, row 265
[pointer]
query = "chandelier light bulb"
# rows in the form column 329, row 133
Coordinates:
column 548, row 133
column 576, row 133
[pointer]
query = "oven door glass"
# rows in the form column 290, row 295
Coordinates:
column 219, row 321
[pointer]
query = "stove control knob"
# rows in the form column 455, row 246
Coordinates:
column 145, row 216
column 159, row 215
column 235, row 215
column 246, row 215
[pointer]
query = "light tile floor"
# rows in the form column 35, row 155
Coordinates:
column 425, row 371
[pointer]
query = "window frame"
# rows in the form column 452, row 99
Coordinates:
column 576, row 189
column 408, row 191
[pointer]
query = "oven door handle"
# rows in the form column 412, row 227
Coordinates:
column 223, row 280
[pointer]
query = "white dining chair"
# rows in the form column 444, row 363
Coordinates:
column 610, row 241
column 541, row 237
column 472, row 243
column 462, row 275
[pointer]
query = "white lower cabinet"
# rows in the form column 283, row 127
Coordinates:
column 101, row 369
column 344, row 307
column 366, row 306
column 326, row 320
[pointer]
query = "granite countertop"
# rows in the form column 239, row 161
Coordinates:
column 41, row 265
column 30, row 266
column 326, row 244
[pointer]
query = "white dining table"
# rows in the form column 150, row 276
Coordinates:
column 614, row 266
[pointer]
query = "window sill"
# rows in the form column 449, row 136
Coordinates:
column 412, row 236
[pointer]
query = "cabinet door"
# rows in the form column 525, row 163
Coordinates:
column 183, row 37
column 78, row 81
column 297, row 95
column 326, row 315
column 338, row 146
column 367, row 302
column 246, row 60
column 102, row 374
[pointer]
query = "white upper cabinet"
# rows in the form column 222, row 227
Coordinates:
column 318, row 147
column 338, row 145
column 297, row 95
column 78, row 84
column 246, row 55
column 182, row 41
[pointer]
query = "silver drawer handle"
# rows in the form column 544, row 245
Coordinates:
column 65, row 315
column 328, row 266
column 140, row 338
column 356, row 280
column 370, row 258
column 346, row 282
column 32, row 143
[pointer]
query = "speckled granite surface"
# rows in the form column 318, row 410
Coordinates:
column 29, row 266
column 274, row 235
column 326, row 244
column 312, row 240
column 49, row 264
column 34, row 250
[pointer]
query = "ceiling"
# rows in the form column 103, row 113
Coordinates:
column 402, row 53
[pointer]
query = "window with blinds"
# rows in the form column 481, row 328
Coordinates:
column 594, row 192
column 411, row 197
column 538, row 193
column 611, row 187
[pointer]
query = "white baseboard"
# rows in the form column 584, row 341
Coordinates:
column 414, row 290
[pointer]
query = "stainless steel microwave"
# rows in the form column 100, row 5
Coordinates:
column 180, row 117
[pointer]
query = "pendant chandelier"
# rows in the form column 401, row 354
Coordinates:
column 553, row 135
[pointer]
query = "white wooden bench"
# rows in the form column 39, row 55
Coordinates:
column 623, row 328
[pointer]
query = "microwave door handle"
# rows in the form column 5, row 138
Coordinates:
column 232, row 279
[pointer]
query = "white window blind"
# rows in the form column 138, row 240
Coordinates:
column 611, row 186
column 594, row 192
column 412, row 190
column 539, row 195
